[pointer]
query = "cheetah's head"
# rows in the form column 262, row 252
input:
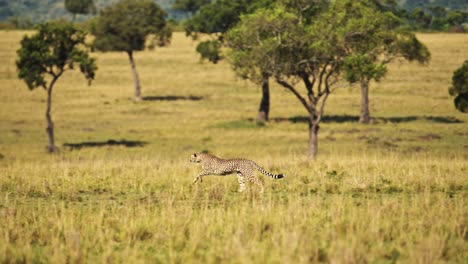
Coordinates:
column 195, row 158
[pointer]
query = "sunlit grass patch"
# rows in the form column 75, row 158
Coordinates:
column 240, row 124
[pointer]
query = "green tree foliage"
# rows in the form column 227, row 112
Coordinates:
column 290, row 47
column 32, row 9
column 254, row 49
column 220, row 16
column 20, row 23
column 44, row 10
column 256, row 43
column 410, row 5
column 371, row 39
column 419, row 19
column 127, row 26
column 190, row 6
column 459, row 87
column 54, row 49
column 436, row 18
column 80, row 7
column 461, row 5
column 210, row 50
column 216, row 18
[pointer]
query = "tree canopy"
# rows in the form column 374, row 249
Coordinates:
column 371, row 38
column 127, row 26
column 54, row 49
column 459, row 87
column 217, row 18
column 258, row 44
column 284, row 43
column 191, row 6
column 221, row 15
column 317, row 43
column 80, row 6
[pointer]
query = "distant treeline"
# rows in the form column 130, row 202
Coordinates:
column 421, row 15
column 438, row 15
column 24, row 14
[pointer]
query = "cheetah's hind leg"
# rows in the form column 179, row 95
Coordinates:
column 241, row 180
column 257, row 182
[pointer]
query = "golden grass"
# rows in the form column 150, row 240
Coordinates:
column 393, row 191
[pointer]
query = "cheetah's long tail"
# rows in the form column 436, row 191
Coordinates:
column 274, row 176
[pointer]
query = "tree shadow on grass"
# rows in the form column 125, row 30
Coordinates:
column 325, row 119
column 350, row 118
column 110, row 142
column 172, row 98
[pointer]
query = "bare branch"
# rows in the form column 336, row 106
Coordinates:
column 327, row 84
column 308, row 85
column 320, row 112
column 322, row 72
column 286, row 85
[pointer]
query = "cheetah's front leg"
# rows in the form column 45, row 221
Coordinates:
column 199, row 177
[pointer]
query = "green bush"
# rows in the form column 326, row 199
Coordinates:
column 459, row 87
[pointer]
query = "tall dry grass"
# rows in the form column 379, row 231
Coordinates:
column 394, row 191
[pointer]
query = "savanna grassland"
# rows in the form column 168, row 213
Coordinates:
column 119, row 190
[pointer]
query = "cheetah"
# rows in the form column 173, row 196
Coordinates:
column 244, row 169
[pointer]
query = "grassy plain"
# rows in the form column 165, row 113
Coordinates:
column 391, row 192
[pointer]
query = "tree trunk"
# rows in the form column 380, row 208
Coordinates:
column 264, row 108
column 50, row 125
column 313, row 139
column 136, row 79
column 365, row 115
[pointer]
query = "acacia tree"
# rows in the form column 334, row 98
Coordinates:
column 220, row 16
column 56, row 47
column 253, row 47
column 291, row 48
column 459, row 87
column 126, row 26
column 254, row 42
column 80, row 7
column 371, row 39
